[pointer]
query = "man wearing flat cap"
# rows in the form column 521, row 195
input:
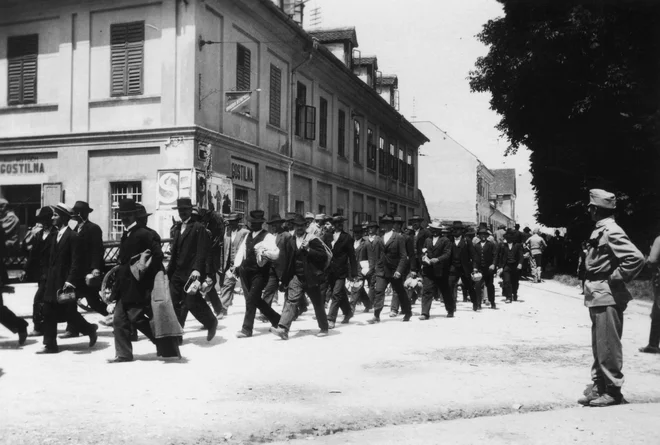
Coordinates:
column 612, row 260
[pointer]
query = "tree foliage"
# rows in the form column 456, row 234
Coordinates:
column 578, row 84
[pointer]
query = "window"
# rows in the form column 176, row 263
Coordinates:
column 393, row 208
column 402, row 166
column 340, row 210
column 240, row 200
column 242, row 68
column 393, row 163
column 382, row 164
column 119, row 191
column 300, row 207
column 126, row 58
column 411, row 169
column 323, row 123
column 356, row 142
column 273, row 205
column 321, row 208
column 480, row 186
column 22, row 52
column 275, row 96
column 310, row 122
column 301, row 101
column 341, row 134
column 371, row 150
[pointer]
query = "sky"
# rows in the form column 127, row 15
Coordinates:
column 431, row 46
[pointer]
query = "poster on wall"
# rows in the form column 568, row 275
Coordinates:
column 220, row 193
column 172, row 185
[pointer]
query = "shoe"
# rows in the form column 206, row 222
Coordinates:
column 374, row 320
column 393, row 314
column 22, row 336
column 68, row 334
column 590, row 393
column 508, row 300
column 450, row 315
column 346, row 319
column 331, row 325
column 48, row 350
column 262, row 318
column 650, row 350
column 212, row 329
column 407, row 317
column 243, row 334
column 220, row 315
column 93, row 336
column 423, row 317
column 605, row 400
column 475, row 309
column 323, row 333
column 280, row 332
column 104, row 322
column 493, row 306
column 366, row 310
column 35, row 333
column 120, row 360
column 515, row 298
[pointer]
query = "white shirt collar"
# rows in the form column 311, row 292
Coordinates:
column 129, row 228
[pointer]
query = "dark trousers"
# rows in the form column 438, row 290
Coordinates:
column 270, row 291
column 606, row 331
column 397, row 285
column 431, row 286
column 360, row 296
column 193, row 303
column 487, row 281
column 37, row 305
column 339, row 298
column 125, row 316
column 466, row 279
column 55, row 313
column 654, row 336
column 296, row 292
column 510, row 281
column 254, row 283
column 9, row 320
column 93, row 301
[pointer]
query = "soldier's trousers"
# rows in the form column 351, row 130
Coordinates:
column 606, row 332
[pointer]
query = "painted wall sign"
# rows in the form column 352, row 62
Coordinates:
column 243, row 173
column 172, row 185
column 22, row 165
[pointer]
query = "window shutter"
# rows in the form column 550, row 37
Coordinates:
column 310, row 122
column 243, row 68
column 134, row 57
column 118, row 59
column 275, row 95
column 15, row 75
column 126, row 58
column 22, row 55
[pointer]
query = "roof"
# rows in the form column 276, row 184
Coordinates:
column 505, row 181
column 335, row 35
column 389, row 79
column 366, row 60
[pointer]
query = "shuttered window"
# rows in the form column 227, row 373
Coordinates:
column 341, row 134
column 356, row 142
column 301, row 101
column 126, row 58
column 371, row 150
column 242, row 68
column 323, row 123
column 310, row 122
column 22, row 52
column 382, row 157
column 275, row 96
column 394, row 170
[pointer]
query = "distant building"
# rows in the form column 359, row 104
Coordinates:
column 504, row 191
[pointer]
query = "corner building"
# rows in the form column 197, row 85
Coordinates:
column 228, row 102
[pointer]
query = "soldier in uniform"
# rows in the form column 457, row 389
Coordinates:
column 612, row 260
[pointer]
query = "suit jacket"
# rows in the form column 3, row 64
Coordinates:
column 313, row 260
column 91, row 246
column 487, row 255
column 280, row 265
column 394, row 256
column 466, row 254
column 504, row 254
column 440, row 250
column 420, row 241
column 372, row 252
column 38, row 260
column 136, row 241
column 410, row 253
column 189, row 250
column 343, row 263
column 64, row 264
column 230, row 248
column 359, row 253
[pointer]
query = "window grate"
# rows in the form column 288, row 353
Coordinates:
column 119, row 191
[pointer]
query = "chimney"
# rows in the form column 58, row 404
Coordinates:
column 294, row 9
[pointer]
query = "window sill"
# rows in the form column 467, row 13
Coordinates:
column 27, row 108
column 110, row 101
column 276, row 128
column 371, row 170
column 342, row 158
column 358, row 165
column 325, row 150
column 302, row 139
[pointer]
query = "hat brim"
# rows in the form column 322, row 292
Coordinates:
column 250, row 220
column 275, row 221
column 183, row 207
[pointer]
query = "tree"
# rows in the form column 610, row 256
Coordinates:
column 578, row 83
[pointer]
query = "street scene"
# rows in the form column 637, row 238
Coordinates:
column 329, row 221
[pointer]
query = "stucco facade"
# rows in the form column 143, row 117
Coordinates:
column 183, row 135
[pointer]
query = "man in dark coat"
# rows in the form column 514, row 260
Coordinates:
column 410, row 262
column 373, row 249
column 420, row 234
column 187, row 264
column 65, row 272
column 342, row 267
column 133, row 296
column 390, row 269
column 461, row 263
column 358, row 294
column 253, row 260
column 38, row 262
column 278, row 266
column 486, row 260
column 511, row 258
column 436, row 253
column 90, row 238
column 302, row 274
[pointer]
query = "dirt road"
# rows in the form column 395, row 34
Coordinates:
column 527, row 356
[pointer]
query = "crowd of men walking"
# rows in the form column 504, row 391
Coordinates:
column 311, row 259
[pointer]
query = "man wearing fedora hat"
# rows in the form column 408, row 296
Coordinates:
column 276, row 225
column 511, row 259
column 373, row 249
column 461, row 264
column 434, row 268
column 486, row 258
column 390, row 269
column 189, row 254
column 65, row 272
column 254, row 257
column 410, row 265
column 91, row 249
column 612, row 260
column 234, row 236
column 358, row 294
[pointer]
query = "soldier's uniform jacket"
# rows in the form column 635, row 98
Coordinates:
column 612, row 260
